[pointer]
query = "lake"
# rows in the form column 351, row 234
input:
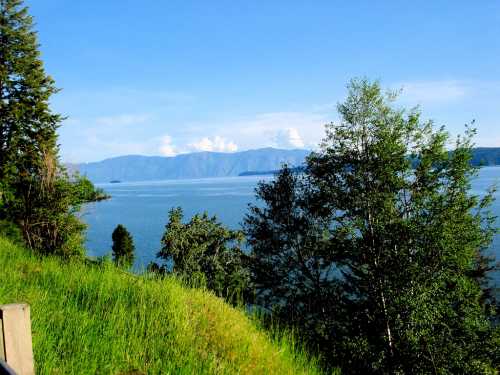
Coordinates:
column 143, row 208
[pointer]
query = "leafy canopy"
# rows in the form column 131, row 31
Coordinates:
column 204, row 252
column 375, row 252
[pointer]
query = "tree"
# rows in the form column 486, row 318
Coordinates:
column 123, row 247
column 291, row 263
column 85, row 190
column 376, row 251
column 204, row 252
column 35, row 192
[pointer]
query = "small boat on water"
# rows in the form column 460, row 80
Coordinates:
column 114, row 181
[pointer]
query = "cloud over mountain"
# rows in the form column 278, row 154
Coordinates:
column 216, row 144
column 288, row 138
column 192, row 165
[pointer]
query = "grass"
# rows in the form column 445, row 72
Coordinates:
column 90, row 319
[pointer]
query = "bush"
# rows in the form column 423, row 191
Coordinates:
column 11, row 231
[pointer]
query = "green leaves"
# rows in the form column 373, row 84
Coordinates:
column 375, row 251
column 85, row 191
column 36, row 194
column 204, row 253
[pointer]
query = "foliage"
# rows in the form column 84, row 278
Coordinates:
column 205, row 253
column 46, row 212
column 123, row 247
column 35, row 192
column 98, row 319
column 85, row 190
column 290, row 262
column 375, row 252
column 11, row 231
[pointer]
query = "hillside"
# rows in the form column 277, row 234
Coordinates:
column 487, row 156
column 195, row 165
column 89, row 319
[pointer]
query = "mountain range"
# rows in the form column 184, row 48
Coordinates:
column 184, row 166
column 216, row 164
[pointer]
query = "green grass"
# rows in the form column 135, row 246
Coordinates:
column 90, row 319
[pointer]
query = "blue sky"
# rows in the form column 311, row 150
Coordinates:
column 166, row 77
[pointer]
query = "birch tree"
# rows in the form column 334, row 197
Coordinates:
column 383, row 270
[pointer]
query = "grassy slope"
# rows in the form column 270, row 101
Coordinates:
column 88, row 319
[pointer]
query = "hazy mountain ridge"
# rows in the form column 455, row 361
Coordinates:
column 216, row 164
column 184, row 166
column 486, row 156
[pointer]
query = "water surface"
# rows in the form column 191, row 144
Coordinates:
column 143, row 208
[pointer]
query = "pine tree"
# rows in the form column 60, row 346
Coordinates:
column 35, row 192
column 123, row 247
column 376, row 251
column 28, row 127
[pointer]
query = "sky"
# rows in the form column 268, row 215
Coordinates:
column 169, row 77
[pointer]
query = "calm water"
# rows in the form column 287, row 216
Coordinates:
column 143, row 208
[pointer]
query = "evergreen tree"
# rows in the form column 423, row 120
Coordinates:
column 376, row 251
column 123, row 247
column 34, row 189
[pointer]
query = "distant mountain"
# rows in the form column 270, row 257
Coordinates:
column 486, row 156
column 195, row 165
column 216, row 164
column 481, row 156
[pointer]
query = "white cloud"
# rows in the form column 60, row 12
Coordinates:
column 216, row 143
column 166, row 147
column 429, row 92
column 487, row 141
column 288, row 138
column 123, row 119
column 277, row 129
